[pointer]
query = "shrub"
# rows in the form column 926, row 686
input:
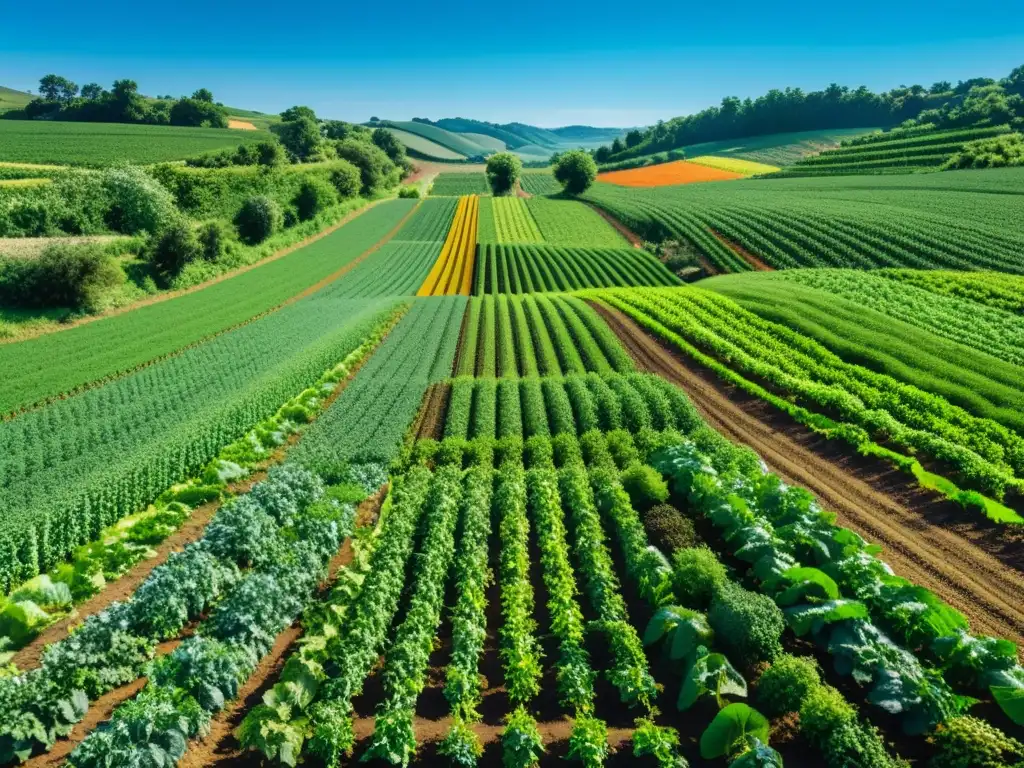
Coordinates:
column 315, row 194
column 75, row 276
column 346, row 178
column 176, row 246
column 215, row 238
column 747, row 624
column 786, row 684
column 967, row 742
column 575, row 171
column 829, row 723
column 696, row 574
column 503, row 172
column 376, row 170
column 668, row 529
column 409, row 191
column 258, row 219
column 300, row 136
column 644, row 485
column 137, row 202
column 268, row 153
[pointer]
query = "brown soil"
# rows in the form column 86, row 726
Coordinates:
column 742, row 252
column 433, row 411
column 167, row 295
column 30, row 656
column 220, row 746
column 706, row 265
column 304, row 294
column 634, row 239
column 971, row 563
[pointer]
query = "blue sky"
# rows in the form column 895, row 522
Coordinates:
column 547, row 63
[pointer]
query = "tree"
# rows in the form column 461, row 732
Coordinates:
column 198, row 112
column 300, row 136
column 634, row 137
column 386, row 140
column 92, row 91
column 57, row 88
column 617, row 146
column 203, row 94
column 602, row 154
column 503, row 172
column 295, row 113
column 339, row 129
column 576, row 171
column 375, row 168
column 942, row 86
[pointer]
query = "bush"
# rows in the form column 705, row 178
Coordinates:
column 967, row 742
column 376, row 170
column 575, row 171
column 137, row 202
column 346, row 178
column 786, row 684
column 829, row 723
column 259, row 218
column 644, row 484
column 315, row 195
column 409, row 191
column 747, row 624
column 75, row 276
column 503, row 172
column 696, row 575
column 173, row 248
column 215, row 238
column 668, row 529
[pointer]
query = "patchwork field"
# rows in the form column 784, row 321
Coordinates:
column 667, row 174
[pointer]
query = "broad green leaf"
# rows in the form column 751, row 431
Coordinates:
column 731, row 728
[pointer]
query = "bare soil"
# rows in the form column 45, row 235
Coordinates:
column 742, row 252
column 433, row 412
column 972, row 563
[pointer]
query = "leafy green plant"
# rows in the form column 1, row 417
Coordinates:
column 710, row 674
column 588, row 742
column 696, row 575
column 968, row 742
column 521, row 742
column 659, row 742
column 785, row 685
column 729, row 732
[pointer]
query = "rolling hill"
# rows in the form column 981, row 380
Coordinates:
column 12, row 99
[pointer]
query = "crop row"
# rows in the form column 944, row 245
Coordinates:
column 76, row 466
column 538, row 268
column 792, row 223
column 458, row 184
column 536, row 334
column 98, row 350
column 513, row 222
column 572, row 405
column 452, row 273
column 985, row 455
column 369, row 420
column 989, row 288
column 571, row 223
column 536, row 183
column 397, row 268
column 910, row 145
column 430, row 222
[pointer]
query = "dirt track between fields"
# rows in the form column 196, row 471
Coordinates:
column 974, row 565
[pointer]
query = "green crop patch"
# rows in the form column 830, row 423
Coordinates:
column 539, row 183
column 568, row 222
column 458, row 184
column 431, row 221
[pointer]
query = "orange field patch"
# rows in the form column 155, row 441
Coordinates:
column 667, row 174
column 242, row 125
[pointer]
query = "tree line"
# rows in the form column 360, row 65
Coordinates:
column 62, row 99
column 969, row 102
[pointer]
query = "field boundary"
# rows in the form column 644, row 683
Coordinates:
column 743, row 253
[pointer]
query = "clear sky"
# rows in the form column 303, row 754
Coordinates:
column 546, row 62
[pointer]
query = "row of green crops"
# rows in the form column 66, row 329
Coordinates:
column 520, row 269
column 74, row 467
column 554, row 405
column 983, row 454
column 397, row 268
column 963, row 220
column 569, row 222
column 989, row 288
column 536, row 335
column 539, row 183
column 884, row 153
column 507, row 220
column 104, row 348
column 430, row 222
column 103, row 144
column 371, row 417
column 458, row 184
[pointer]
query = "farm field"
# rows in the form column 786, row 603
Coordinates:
column 99, row 144
column 374, row 466
column 956, row 220
column 667, row 174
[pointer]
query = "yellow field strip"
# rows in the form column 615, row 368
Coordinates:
column 452, row 273
column 734, row 164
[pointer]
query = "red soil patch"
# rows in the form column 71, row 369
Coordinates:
column 667, row 174
column 742, row 252
column 969, row 562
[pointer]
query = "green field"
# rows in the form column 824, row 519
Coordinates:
column 419, row 146
column 454, row 142
column 98, row 144
column 568, row 222
column 12, row 99
column 457, row 184
column 956, row 220
column 539, row 183
column 513, row 222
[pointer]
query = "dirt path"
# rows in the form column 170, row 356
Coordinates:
column 972, row 564
column 433, row 411
column 168, row 295
column 742, row 252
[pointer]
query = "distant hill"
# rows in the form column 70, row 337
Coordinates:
column 588, row 134
column 12, row 99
